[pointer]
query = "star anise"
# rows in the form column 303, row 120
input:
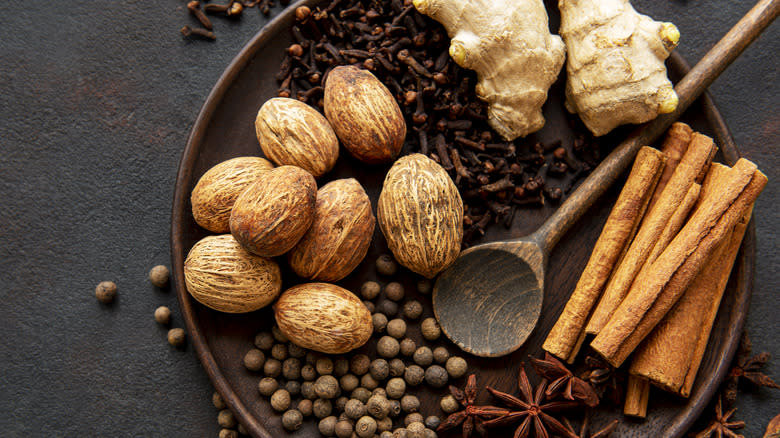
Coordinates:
column 564, row 381
column 605, row 380
column 721, row 426
column 472, row 417
column 532, row 409
column 747, row 367
column 603, row 433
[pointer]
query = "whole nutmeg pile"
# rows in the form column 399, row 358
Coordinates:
column 420, row 213
column 364, row 114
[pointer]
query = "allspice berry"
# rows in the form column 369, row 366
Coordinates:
column 395, row 388
column 379, row 369
column 254, row 360
column 355, row 408
column 324, row 366
column 343, row 429
column 365, row 427
column 384, row 425
column 264, row 340
column 279, row 352
column 389, row 308
column 430, row 329
column 407, row 346
column 387, row 347
column 410, row 403
column 326, row 387
column 385, row 265
column 432, row 422
column 394, row 291
column 308, row 372
column 217, row 401
column 267, row 386
column 291, row 368
column 380, row 322
column 327, row 426
column 226, row 419
column 436, row 376
column 348, row 383
column 424, row 286
column 322, row 408
column 176, row 337
column 158, row 275
column 340, row 403
column 397, row 367
column 292, row 420
column 369, row 290
column 396, row 328
column 414, row 375
column 368, row 382
column 227, row 433
column 448, row 404
column 340, row 366
column 456, row 367
column 414, row 417
column 278, row 335
column 105, row 292
column 293, row 387
column 378, row 406
column 305, row 406
column 361, row 394
column 413, row 309
column 272, row 367
column 295, row 351
column 280, row 400
column 415, row 429
column 162, row 315
column 359, row 364
column 440, row 355
column 423, row 356
column 307, row 390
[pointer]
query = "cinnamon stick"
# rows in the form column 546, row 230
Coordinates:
column 670, row 357
column 566, row 335
column 674, row 146
column 674, row 225
column 653, row 294
column 637, row 396
column 697, row 157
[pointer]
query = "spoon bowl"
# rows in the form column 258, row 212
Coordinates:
column 491, row 281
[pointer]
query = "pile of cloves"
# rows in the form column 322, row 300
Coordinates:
column 408, row 52
column 231, row 9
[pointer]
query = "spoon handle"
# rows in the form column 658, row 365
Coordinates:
column 688, row 89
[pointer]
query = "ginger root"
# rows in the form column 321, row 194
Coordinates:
column 616, row 71
column 509, row 45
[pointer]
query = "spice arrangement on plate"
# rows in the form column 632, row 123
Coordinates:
column 383, row 80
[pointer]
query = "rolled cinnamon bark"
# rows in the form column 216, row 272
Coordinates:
column 637, row 396
column 671, row 355
column 697, row 157
column 652, row 295
column 565, row 337
column 676, row 142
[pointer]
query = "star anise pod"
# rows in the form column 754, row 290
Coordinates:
column 747, row 367
column 721, row 426
column 604, row 379
column 472, row 417
column 603, row 433
column 532, row 409
column 563, row 381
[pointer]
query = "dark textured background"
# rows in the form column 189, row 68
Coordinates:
column 96, row 101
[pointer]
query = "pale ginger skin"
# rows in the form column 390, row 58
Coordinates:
column 616, row 71
column 509, row 45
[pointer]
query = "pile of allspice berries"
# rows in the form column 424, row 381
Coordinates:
column 354, row 395
column 266, row 213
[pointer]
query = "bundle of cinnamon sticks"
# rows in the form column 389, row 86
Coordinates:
column 654, row 281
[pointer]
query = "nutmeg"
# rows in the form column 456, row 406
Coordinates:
column 221, row 274
column 340, row 235
column 323, row 317
column 364, row 114
column 272, row 214
column 291, row 132
column 217, row 190
column 420, row 212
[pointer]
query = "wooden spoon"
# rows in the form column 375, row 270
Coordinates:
column 489, row 300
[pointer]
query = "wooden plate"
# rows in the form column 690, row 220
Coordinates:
column 225, row 129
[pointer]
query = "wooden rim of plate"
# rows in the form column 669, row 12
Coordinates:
column 681, row 423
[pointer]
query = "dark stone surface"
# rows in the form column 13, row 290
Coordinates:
column 96, row 101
